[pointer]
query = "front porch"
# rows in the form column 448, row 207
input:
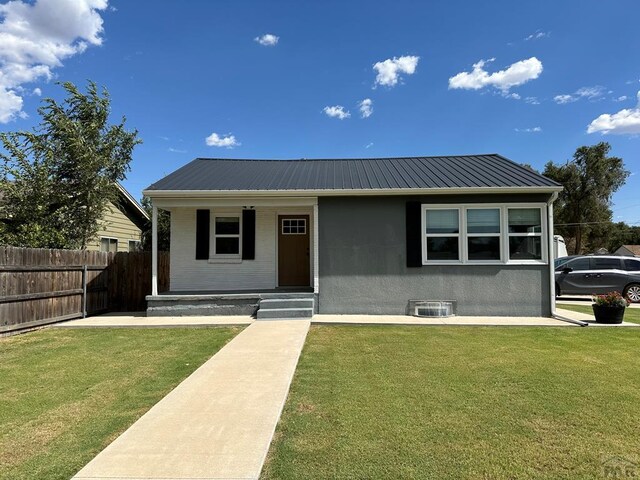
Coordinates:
column 270, row 303
column 246, row 256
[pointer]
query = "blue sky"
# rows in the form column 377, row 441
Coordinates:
column 563, row 74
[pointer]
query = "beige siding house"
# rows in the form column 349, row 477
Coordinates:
column 121, row 228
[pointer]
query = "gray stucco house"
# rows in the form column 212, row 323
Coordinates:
column 357, row 236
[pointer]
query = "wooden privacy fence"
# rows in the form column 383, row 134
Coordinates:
column 39, row 286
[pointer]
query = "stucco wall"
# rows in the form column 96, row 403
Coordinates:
column 363, row 264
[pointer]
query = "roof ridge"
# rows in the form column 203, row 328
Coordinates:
column 345, row 159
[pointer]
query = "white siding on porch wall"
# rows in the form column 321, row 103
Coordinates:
column 188, row 274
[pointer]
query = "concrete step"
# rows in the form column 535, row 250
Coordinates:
column 271, row 313
column 272, row 303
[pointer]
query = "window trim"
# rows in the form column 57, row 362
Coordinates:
column 304, row 225
column 229, row 257
column 108, row 238
column 138, row 245
column 463, row 246
column 425, row 235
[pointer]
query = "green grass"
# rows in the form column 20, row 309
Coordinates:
column 66, row 394
column 460, row 403
column 630, row 314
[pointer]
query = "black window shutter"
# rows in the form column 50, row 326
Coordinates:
column 414, row 234
column 248, row 234
column 202, row 234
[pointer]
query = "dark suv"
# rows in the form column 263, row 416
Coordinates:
column 586, row 275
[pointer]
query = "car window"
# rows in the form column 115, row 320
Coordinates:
column 606, row 263
column 632, row 265
column 578, row 264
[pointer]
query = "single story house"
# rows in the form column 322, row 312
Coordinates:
column 357, row 236
column 122, row 225
column 628, row 251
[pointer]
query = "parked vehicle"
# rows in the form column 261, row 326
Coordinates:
column 562, row 260
column 559, row 247
column 587, row 275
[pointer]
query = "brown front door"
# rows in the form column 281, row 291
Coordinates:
column 293, row 251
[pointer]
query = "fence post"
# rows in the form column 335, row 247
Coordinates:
column 84, row 291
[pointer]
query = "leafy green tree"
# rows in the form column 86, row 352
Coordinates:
column 589, row 181
column 59, row 178
column 164, row 227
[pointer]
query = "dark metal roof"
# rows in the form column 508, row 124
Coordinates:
column 460, row 172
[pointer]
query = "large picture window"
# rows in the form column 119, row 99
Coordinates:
column 489, row 234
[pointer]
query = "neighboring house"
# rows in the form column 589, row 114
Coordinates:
column 122, row 226
column 362, row 236
column 628, row 251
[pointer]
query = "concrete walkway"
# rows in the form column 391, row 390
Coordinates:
column 219, row 422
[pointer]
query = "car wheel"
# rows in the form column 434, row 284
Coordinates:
column 632, row 292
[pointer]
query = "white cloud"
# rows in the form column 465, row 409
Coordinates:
column 588, row 93
column 336, row 111
column 532, row 100
column 369, row 145
column 390, row 69
column 529, row 130
column 621, row 98
column 626, row 121
column 37, row 91
column 267, row 40
column 36, row 37
column 366, row 108
column 176, row 150
column 538, row 34
column 228, row 140
column 562, row 99
column 512, row 76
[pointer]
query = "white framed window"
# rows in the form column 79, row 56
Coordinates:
column 108, row 244
column 442, row 234
column 484, row 240
column 525, row 233
column 227, row 232
column 294, row 226
column 135, row 246
column 484, row 234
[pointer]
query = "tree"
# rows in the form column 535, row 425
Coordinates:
column 164, row 227
column 59, row 179
column 589, row 181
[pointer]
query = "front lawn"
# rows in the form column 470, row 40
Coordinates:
column 66, row 394
column 631, row 315
column 385, row 402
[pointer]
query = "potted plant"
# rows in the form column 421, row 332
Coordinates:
column 609, row 308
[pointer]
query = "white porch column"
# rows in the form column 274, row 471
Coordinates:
column 316, row 257
column 551, row 255
column 154, row 251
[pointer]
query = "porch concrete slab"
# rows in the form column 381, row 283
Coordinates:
column 456, row 320
column 590, row 319
column 219, row 422
column 141, row 320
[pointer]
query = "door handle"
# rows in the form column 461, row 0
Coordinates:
column 587, row 275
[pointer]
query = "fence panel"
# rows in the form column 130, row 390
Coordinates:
column 40, row 286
